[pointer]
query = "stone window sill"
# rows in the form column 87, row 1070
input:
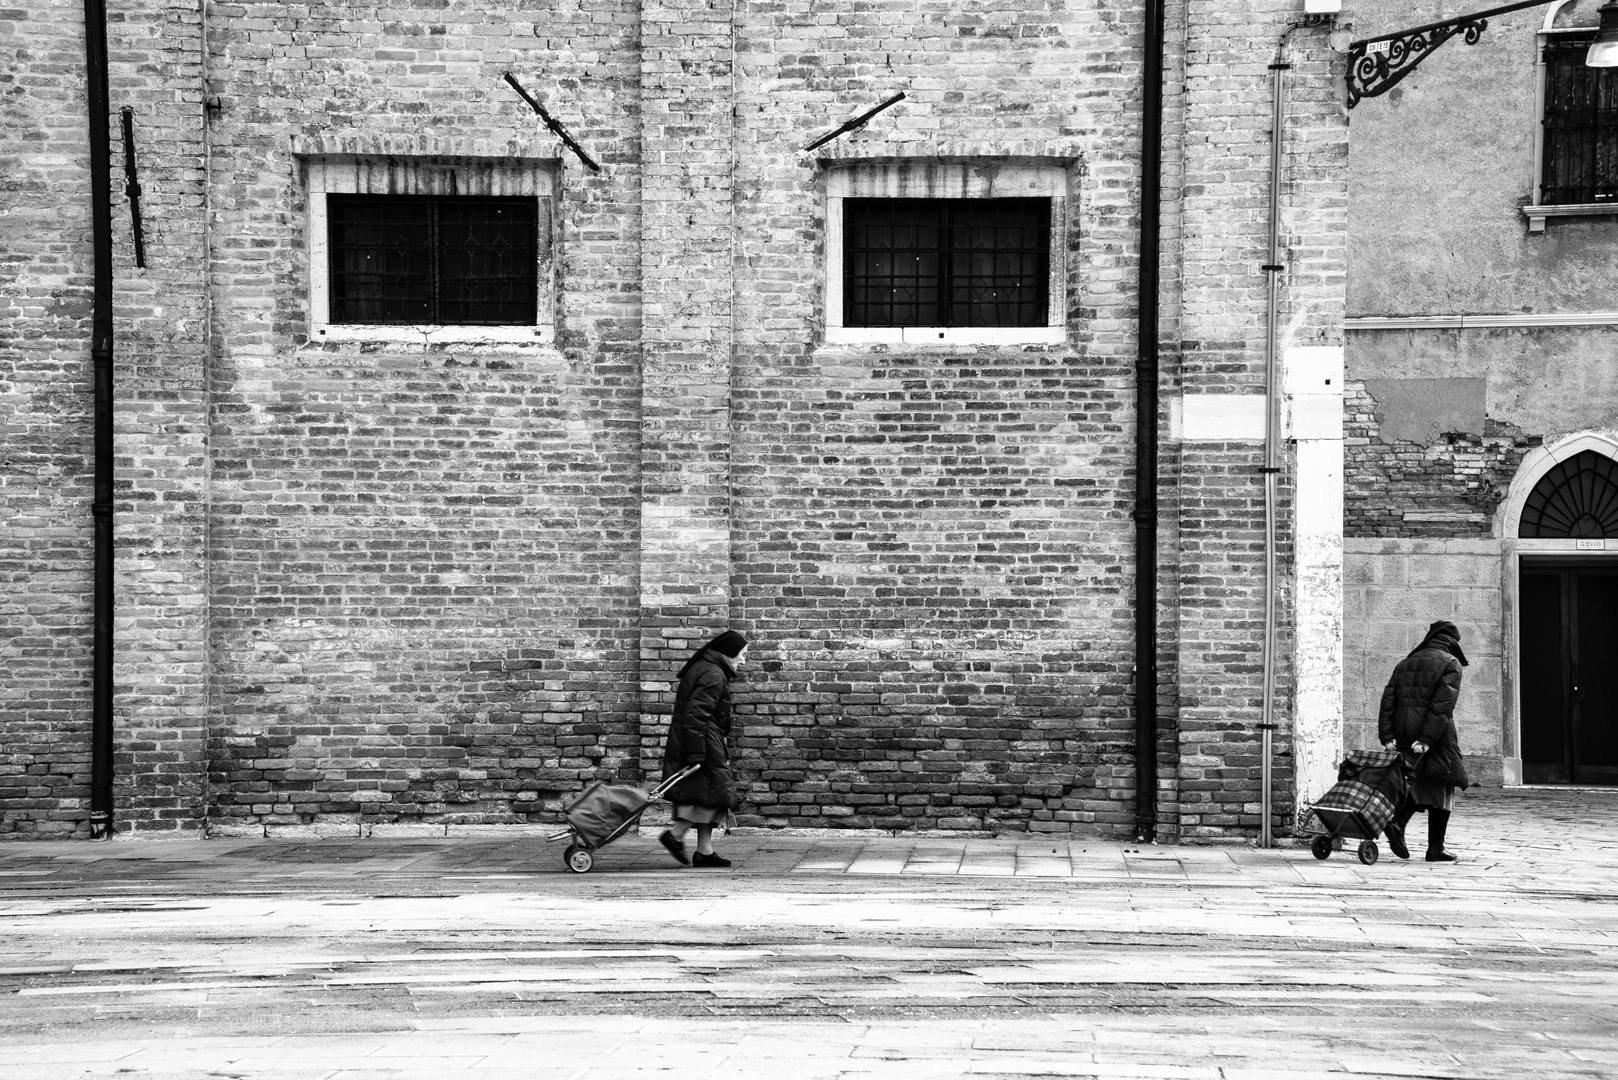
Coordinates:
column 427, row 335
column 1537, row 215
column 946, row 335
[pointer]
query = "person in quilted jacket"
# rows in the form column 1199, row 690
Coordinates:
column 699, row 734
column 1418, row 713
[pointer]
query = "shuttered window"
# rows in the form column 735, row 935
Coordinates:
column 1579, row 156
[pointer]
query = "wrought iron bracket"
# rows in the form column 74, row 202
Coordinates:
column 1376, row 65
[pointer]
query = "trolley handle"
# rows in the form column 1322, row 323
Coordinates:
column 658, row 792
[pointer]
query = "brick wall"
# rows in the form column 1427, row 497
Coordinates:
column 380, row 585
column 1449, row 487
column 932, row 544
column 160, row 419
column 45, row 405
column 1228, row 95
column 424, row 558
column 687, row 254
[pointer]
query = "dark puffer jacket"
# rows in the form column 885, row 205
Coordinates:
column 1419, row 704
column 699, row 732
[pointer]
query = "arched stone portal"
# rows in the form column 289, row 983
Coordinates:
column 1560, row 537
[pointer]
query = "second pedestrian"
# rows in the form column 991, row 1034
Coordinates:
column 699, row 734
column 1418, row 714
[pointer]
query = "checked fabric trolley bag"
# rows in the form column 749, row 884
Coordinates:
column 1370, row 786
column 604, row 812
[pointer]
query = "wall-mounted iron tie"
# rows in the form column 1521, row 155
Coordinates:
column 555, row 126
column 855, row 124
column 132, row 186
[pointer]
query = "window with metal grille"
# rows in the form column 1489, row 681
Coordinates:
column 431, row 260
column 1577, row 499
column 946, row 262
column 1579, row 155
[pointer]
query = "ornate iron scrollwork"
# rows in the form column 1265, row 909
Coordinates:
column 1371, row 74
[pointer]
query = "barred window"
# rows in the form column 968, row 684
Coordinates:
column 1579, row 155
column 433, row 260
column 946, row 262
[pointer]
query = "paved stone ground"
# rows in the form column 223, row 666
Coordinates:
column 819, row 958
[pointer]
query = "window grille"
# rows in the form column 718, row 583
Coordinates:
column 1579, row 159
column 1577, row 499
column 946, row 262
column 449, row 261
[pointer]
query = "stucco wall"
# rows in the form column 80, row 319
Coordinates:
column 1393, row 590
column 1439, row 167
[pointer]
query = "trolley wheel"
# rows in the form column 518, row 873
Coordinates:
column 1321, row 846
column 579, row 860
column 1368, row 852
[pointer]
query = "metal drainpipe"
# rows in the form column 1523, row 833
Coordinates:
column 95, row 60
column 1272, row 433
column 1146, row 401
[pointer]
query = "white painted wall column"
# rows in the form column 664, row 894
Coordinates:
column 1313, row 383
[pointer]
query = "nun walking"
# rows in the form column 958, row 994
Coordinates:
column 699, row 734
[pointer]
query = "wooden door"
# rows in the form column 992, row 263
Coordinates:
column 1569, row 674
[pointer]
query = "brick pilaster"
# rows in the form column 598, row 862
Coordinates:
column 686, row 88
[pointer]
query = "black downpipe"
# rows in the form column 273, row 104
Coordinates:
column 95, row 61
column 1145, row 513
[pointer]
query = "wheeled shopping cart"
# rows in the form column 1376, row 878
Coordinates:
column 604, row 812
column 1370, row 786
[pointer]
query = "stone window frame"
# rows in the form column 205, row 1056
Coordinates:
column 1537, row 212
column 932, row 179
column 355, row 174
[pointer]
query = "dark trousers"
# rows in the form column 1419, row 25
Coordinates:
column 1437, row 822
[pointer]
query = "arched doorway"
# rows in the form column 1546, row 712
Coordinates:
column 1567, row 609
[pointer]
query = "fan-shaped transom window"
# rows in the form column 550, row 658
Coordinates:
column 1577, row 499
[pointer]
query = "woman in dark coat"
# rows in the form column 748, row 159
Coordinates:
column 699, row 735
column 1418, row 713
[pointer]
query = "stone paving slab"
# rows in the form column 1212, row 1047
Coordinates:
column 816, row 957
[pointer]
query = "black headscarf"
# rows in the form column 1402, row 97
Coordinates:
column 729, row 643
column 1445, row 636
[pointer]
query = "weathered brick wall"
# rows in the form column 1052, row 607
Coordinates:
column 1227, row 128
column 45, row 372
column 448, row 584
column 932, row 545
column 45, row 406
column 424, row 558
column 688, row 237
column 1449, row 487
column 161, row 448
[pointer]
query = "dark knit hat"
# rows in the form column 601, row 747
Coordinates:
column 730, row 643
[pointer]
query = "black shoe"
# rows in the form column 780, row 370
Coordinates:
column 1441, row 856
column 1396, row 842
column 699, row 859
column 676, row 848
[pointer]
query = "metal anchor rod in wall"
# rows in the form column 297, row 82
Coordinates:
column 555, row 126
column 132, row 186
column 854, row 124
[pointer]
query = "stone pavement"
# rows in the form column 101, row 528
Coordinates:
column 819, row 957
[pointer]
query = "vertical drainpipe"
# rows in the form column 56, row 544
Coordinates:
column 1272, row 429
column 1145, row 512
column 95, row 61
